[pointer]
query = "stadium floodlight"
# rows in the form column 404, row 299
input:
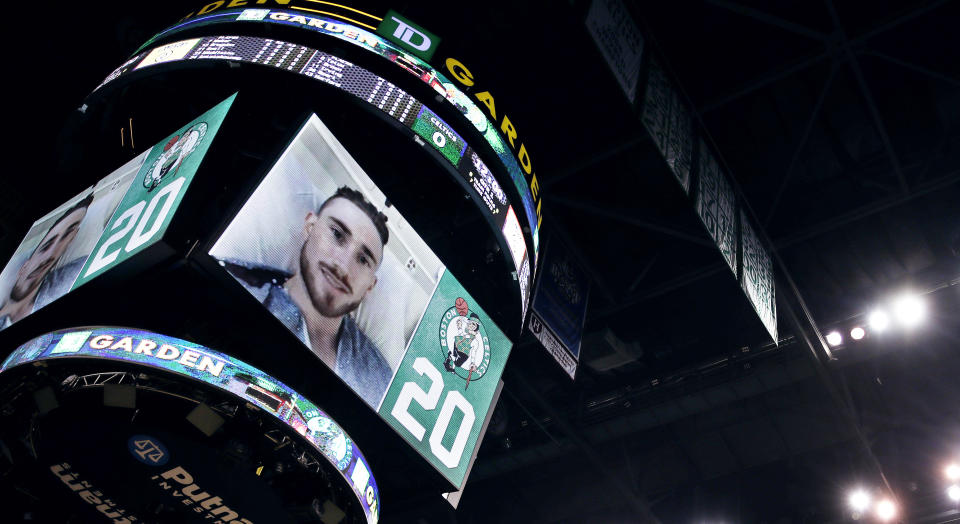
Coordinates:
column 834, row 338
column 952, row 471
column 909, row 310
column 879, row 320
column 954, row 493
column 886, row 510
column 857, row 333
column 859, row 500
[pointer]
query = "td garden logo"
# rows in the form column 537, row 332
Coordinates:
column 464, row 341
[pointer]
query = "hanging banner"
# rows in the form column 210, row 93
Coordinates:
column 716, row 206
column 757, row 281
column 560, row 307
column 669, row 123
column 619, row 40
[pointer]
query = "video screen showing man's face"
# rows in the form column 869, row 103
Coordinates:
column 52, row 246
column 46, row 264
column 320, row 248
column 340, row 257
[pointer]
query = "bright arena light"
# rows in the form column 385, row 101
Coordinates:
column 886, row 510
column 834, row 338
column 859, row 500
column 909, row 310
column 879, row 320
column 954, row 493
column 952, row 471
column 857, row 333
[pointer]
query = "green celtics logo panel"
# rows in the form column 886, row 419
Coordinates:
column 146, row 209
column 445, row 383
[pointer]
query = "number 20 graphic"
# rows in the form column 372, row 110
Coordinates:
column 135, row 216
column 428, row 400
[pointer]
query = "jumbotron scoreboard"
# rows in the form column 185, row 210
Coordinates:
column 269, row 309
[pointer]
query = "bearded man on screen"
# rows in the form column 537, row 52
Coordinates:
column 34, row 271
column 336, row 269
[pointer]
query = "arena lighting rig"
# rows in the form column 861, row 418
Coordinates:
column 263, row 311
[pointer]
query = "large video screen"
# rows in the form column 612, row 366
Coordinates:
column 387, row 98
column 320, row 247
column 117, row 217
column 371, row 41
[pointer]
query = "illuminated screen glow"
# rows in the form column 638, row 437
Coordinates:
column 223, row 372
column 372, row 42
column 119, row 216
column 368, row 297
column 343, row 75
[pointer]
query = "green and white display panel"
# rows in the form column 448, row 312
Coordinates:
column 320, row 247
column 223, row 372
column 381, row 94
column 118, row 217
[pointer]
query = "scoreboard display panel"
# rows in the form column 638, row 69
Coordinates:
column 289, row 242
column 372, row 42
column 319, row 245
column 118, row 217
column 367, row 86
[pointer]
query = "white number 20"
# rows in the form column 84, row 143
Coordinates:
column 129, row 218
column 428, row 400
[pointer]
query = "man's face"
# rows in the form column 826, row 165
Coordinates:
column 340, row 257
column 48, row 252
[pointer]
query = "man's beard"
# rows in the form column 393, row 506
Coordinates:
column 310, row 280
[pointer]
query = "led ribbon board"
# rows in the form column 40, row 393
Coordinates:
column 374, row 43
column 118, row 217
column 380, row 93
column 223, row 372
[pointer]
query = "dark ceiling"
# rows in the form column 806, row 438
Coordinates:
column 839, row 122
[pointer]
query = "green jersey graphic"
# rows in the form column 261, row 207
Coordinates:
column 148, row 207
column 441, row 392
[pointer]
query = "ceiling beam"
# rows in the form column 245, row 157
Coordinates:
column 769, row 19
column 617, row 484
column 578, row 167
column 643, row 223
column 763, row 81
column 868, row 210
column 899, row 20
column 868, row 98
column 801, row 145
column 775, row 76
column 847, row 413
column 913, row 67
column 667, row 287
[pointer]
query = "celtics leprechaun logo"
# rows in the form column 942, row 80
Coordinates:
column 465, row 343
column 174, row 153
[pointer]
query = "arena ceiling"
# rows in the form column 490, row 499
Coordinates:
column 839, row 123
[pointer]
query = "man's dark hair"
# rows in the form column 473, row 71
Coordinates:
column 379, row 219
column 82, row 204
